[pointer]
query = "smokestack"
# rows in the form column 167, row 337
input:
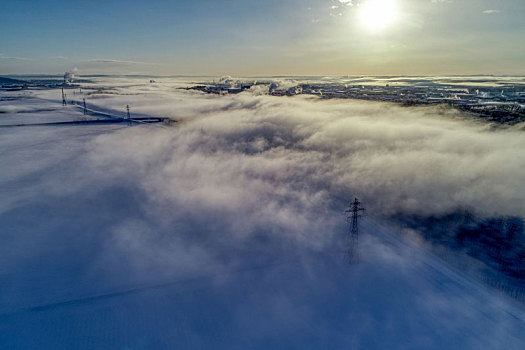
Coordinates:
column 69, row 76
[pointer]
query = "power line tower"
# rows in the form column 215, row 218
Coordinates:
column 85, row 108
column 129, row 115
column 63, row 98
column 352, row 248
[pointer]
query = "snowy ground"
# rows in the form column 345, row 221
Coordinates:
column 226, row 231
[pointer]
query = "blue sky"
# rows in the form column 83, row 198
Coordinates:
column 294, row 37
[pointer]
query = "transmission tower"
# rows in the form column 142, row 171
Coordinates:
column 63, row 98
column 352, row 249
column 129, row 115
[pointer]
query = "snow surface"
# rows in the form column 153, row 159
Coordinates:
column 226, row 231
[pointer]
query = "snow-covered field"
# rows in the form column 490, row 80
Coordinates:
column 226, row 230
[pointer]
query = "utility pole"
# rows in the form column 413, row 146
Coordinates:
column 85, row 109
column 129, row 116
column 352, row 249
column 63, row 98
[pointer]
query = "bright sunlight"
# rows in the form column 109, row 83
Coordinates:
column 376, row 15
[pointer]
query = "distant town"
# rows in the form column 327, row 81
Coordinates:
column 501, row 103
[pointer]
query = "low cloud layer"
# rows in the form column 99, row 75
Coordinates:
column 419, row 160
column 227, row 230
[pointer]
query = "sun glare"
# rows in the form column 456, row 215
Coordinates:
column 376, row 15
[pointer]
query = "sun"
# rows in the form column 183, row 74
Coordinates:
column 377, row 15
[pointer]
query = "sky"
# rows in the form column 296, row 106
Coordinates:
column 250, row 38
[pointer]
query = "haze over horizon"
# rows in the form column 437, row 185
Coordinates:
column 255, row 38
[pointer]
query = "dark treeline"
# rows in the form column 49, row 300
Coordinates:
column 498, row 241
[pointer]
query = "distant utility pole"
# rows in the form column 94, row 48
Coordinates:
column 63, row 98
column 85, row 108
column 129, row 115
column 352, row 249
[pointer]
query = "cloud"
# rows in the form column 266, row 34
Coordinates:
column 338, row 6
column 14, row 58
column 399, row 158
column 232, row 220
column 491, row 12
column 59, row 57
column 116, row 62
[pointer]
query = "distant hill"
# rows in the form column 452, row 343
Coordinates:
column 4, row 80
